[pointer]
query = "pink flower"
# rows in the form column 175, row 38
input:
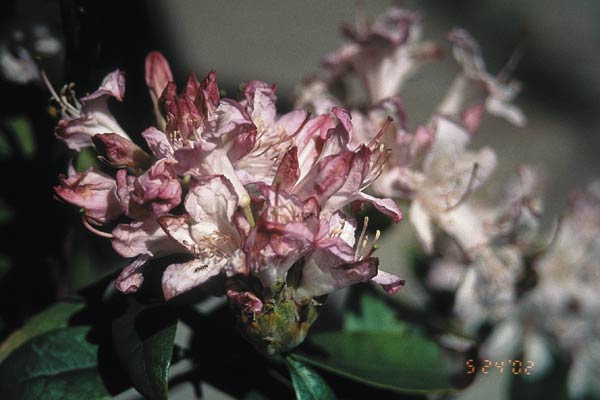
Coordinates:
column 143, row 239
column 383, row 55
column 285, row 231
column 449, row 175
column 90, row 115
column 121, row 152
column 208, row 232
column 475, row 89
column 92, row 191
column 158, row 188
column 240, row 192
column 339, row 261
column 158, row 76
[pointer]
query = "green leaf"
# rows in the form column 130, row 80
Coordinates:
column 56, row 316
column 374, row 315
column 5, row 266
column 7, row 214
column 307, row 383
column 23, row 133
column 5, row 147
column 397, row 361
column 86, row 159
column 143, row 337
column 254, row 395
column 59, row 364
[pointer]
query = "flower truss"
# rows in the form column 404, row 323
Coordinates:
column 431, row 167
column 261, row 199
column 563, row 307
column 490, row 254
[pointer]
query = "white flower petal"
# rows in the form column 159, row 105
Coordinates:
column 421, row 220
column 179, row 278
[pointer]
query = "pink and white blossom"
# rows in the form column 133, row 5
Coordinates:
column 475, row 89
column 89, row 116
column 92, row 191
column 235, row 190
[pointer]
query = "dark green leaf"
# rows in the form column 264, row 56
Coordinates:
column 56, row 316
column 374, row 315
column 23, row 133
column 397, row 361
column 7, row 214
column 143, row 337
column 307, row 383
column 59, row 364
column 84, row 264
column 5, row 266
column 5, row 147
column 254, row 395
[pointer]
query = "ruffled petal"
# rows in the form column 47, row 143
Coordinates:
column 389, row 282
column 93, row 191
column 143, row 238
column 130, row 279
column 158, row 143
column 213, row 200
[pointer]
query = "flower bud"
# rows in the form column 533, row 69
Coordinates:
column 281, row 324
column 118, row 151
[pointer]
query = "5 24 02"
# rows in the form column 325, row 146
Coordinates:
column 516, row 367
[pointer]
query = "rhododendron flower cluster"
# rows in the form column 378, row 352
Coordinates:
column 505, row 273
column 432, row 166
column 265, row 204
column 242, row 192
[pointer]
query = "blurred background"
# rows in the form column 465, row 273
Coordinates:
column 44, row 251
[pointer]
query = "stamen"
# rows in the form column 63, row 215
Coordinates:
column 65, row 100
column 245, row 204
column 538, row 250
column 62, row 100
column 50, row 87
column 468, row 190
column 513, row 61
column 384, row 128
column 361, row 237
column 377, row 169
column 363, row 246
column 373, row 245
column 94, row 230
column 282, row 140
